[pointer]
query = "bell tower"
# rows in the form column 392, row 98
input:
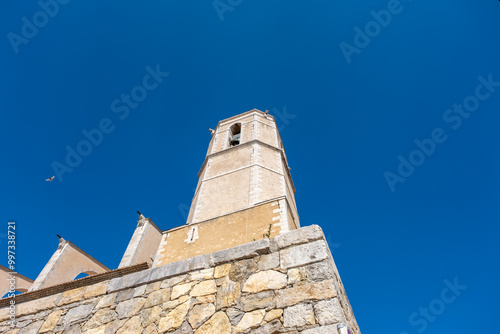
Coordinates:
column 245, row 167
column 244, row 193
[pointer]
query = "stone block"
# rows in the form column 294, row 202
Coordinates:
column 299, row 236
column 269, row 328
column 51, row 322
column 300, row 255
column 245, row 251
column 269, row 261
column 199, row 314
column 329, row 312
column 204, row 288
column 265, row 280
column 299, row 315
column 228, row 294
column 219, row 323
column 310, row 291
column 78, row 313
column 170, row 269
column 199, row 262
column 263, row 300
column 250, row 320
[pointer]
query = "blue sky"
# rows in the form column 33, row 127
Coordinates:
column 403, row 182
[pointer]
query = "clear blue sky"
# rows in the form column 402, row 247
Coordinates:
column 358, row 103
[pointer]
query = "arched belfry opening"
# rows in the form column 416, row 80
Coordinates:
column 235, row 134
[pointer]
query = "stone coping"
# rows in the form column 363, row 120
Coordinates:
column 133, row 276
column 246, row 251
column 89, row 280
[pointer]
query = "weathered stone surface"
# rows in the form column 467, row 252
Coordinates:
column 139, row 291
column 124, row 295
column 184, row 329
column 71, row 296
column 296, row 275
column 296, row 256
column 329, row 312
column 129, row 308
column 299, row 236
column 151, row 329
column 273, row 314
column 222, row 270
column 106, row 301
column 170, row 304
column 95, row 290
column 32, row 328
column 199, row 262
column 36, row 305
column 170, row 282
column 319, row 271
column 299, row 315
column 78, row 313
column 204, row 288
column 157, row 297
column 108, row 328
column 132, row 326
column 265, row 280
column 250, row 320
column 263, row 300
column 204, row 299
column 202, row 274
column 269, row 261
column 180, row 290
column 150, row 315
column 234, row 315
column 245, row 251
column 241, row 270
column 101, row 317
column 130, row 280
column 310, row 291
column 228, row 294
column 199, row 314
column 76, row 329
column 174, row 318
column 155, row 286
column 51, row 321
column 170, row 269
column 321, row 330
column 269, row 328
column 218, row 324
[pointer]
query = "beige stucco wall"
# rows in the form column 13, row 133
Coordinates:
column 220, row 233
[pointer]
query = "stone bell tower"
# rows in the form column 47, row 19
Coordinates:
column 245, row 191
column 245, row 167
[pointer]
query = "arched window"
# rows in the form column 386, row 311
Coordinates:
column 81, row 275
column 234, row 134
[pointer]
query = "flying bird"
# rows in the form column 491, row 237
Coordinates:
column 50, row 179
column 141, row 216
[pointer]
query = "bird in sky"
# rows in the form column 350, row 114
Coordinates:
column 50, row 178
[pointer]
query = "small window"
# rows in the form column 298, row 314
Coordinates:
column 235, row 134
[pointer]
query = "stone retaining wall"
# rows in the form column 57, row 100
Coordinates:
column 288, row 284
